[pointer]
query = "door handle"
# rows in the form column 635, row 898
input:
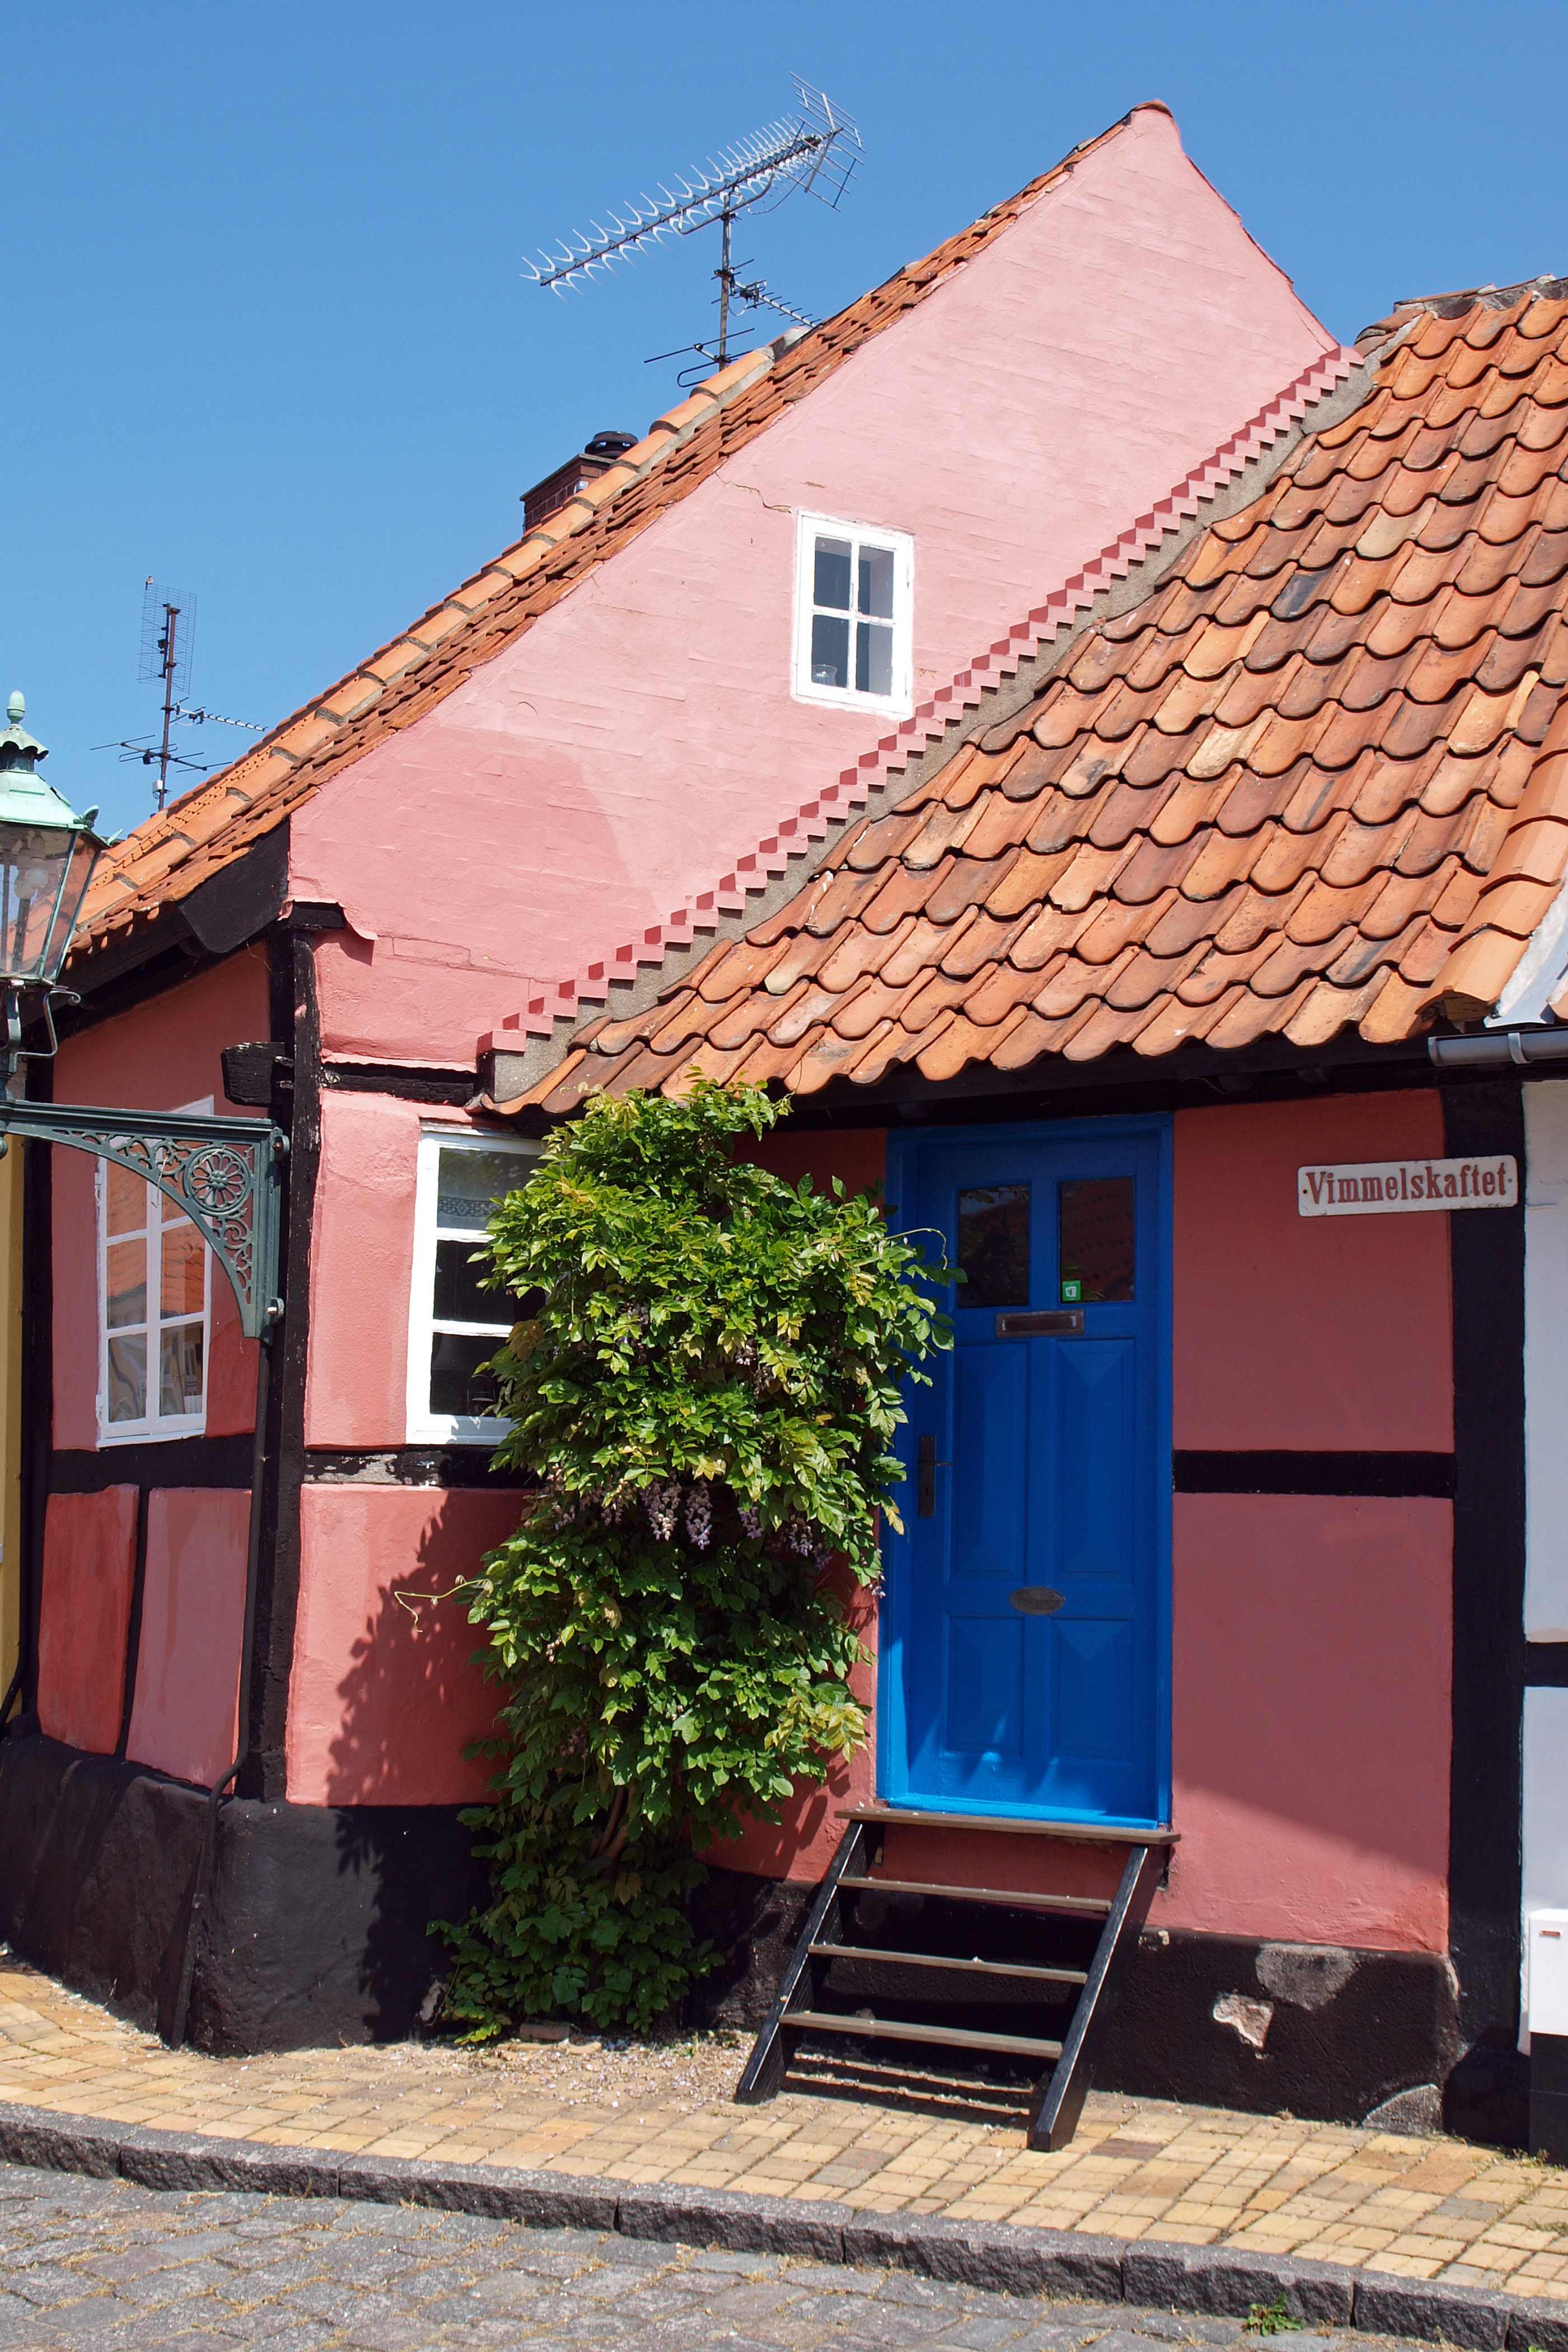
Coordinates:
column 927, row 1467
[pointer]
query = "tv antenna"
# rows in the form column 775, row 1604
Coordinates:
column 814, row 148
column 168, row 642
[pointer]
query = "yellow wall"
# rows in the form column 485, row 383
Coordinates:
column 11, row 1406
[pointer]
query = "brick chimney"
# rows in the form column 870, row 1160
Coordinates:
column 566, row 481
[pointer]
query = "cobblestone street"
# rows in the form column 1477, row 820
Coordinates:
column 101, row 2266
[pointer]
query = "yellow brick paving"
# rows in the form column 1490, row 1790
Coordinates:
column 1139, row 2168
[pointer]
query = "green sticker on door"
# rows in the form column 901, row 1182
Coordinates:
column 1072, row 1293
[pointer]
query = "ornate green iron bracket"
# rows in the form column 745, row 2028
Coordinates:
column 224, row 1173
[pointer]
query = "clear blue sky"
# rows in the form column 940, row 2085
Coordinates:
column 269, row 339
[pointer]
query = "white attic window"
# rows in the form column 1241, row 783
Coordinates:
column 854, row 616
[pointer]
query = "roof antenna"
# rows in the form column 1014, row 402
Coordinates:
column 814, row 148
column 168, row 642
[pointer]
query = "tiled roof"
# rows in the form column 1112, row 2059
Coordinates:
column 837, row 803
column 1316, row 781
column 173, row 853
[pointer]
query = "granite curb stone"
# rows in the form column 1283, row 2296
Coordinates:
column 1229, row 2280
column 728, row 2217
column 996, row 2256
column 989, row 2255
column 1453, row 2315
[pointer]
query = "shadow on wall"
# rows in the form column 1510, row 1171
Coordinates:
column 406, row 1698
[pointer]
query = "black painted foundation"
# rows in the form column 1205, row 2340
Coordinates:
column 315, row 1934
column 314, row 1931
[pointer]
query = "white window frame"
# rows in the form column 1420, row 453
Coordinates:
column 809, row 527
column 424, row 1427
column 153, row 1428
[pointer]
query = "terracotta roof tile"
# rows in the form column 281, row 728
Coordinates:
column 1299, row 788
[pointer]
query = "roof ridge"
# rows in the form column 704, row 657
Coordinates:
column 563, row 999
column 413, row 671
column 1411, row 308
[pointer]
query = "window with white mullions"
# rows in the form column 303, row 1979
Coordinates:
column 854, row 608
column 154, row 1294
column 456, row 1325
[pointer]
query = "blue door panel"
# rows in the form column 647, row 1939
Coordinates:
column 986, row 1693
column 1026, row 1637
column 1092, row 1500
column 1095, row 1709
column 987, row 1450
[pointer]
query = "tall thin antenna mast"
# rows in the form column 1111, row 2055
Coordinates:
column 167, row 647
column 168, row 642
column 814, row 149
column 166, row 650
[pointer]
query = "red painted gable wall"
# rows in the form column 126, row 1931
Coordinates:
column 642, row 733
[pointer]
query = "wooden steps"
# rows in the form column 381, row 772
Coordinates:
column 999, row 1826
column 985, row 1972
column 1011, row 1968
column 1091, row 1906
column 951, row 2037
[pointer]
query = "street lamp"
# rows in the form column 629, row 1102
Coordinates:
column 223, row 1172
column 46, row 859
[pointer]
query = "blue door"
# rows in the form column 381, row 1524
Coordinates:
column 1026, row 1647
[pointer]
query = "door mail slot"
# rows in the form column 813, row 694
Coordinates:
column 1052, row 1322
column 1036, row 1601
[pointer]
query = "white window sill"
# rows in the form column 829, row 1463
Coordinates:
column 867, row 706
column 160, row 1433
column 457, row 1432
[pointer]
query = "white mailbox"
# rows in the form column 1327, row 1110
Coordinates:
column 1549, row 1973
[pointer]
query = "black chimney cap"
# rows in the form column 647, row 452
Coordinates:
column 610, row 444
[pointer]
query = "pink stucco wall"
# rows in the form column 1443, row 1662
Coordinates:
column 186, row 1712
column 89, row 1557
column 384, row 1693
column 362, row 1268
column 1310, row 1734
column 1298, row 1333
column 1313, row 1672
column 642, row 733
column 162, row 1054
column 1311, row 1659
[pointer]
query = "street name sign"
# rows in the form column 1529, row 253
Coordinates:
column 1380, row 1188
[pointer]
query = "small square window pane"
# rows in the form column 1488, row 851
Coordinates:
column 873, row 659
column 180, row 1370
column 830, row 574
column 877, row 583
column 994, row 1247
column 456, row 1384
column 460, row 1299
column 127, row 1284
column 829, row 651
column 128, row 1378
column 127, row 1200
column 470, row 1184
column 181, row 1281
column 1097, row 1241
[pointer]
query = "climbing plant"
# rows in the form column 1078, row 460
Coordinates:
column 705, row 1385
